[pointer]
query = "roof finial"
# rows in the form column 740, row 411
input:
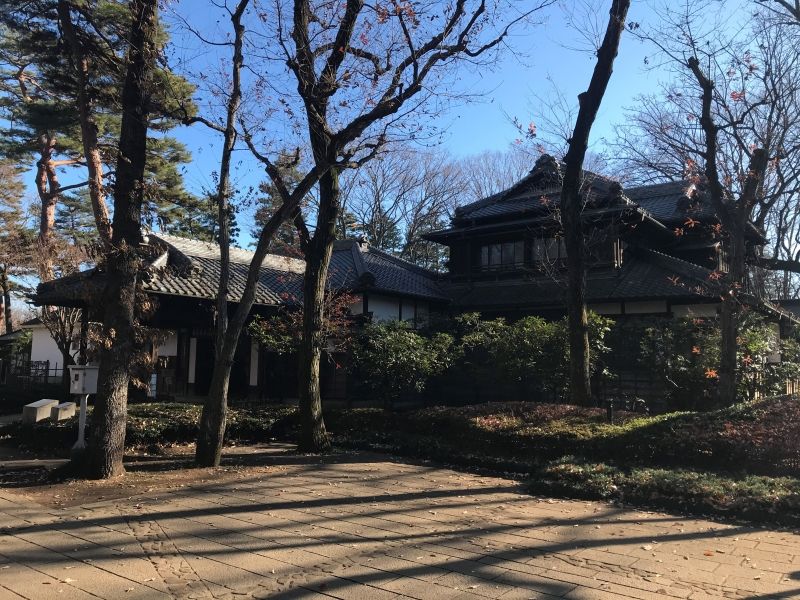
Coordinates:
column 547, row 168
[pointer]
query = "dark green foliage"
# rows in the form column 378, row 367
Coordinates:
column 529, row 356
column 74, row 218
column 391, row 360
column 42, row 99
column 685, row 353
column 286, row 240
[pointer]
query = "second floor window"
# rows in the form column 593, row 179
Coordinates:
column 505, row 255
column 549, row 250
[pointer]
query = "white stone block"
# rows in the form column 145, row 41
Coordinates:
column 63, row 411
column 37, row 411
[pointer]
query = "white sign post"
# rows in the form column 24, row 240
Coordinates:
column 82, row 382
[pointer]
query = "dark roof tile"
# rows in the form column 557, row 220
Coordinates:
column 645, row 275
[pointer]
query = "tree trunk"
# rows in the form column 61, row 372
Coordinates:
column 729, row 315
column 313, row 436
column 212, row 424
column 5, row 284
column 66, row 361
column 89, row 128
column 735, row 217
column 47, row 187
column 208, row 452
column 571, row 204
column 122, row 262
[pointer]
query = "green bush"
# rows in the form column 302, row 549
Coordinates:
column 391, row 360
column 534, row 350
column 685, row 354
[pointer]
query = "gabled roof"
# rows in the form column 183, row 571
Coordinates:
column 672, row 202
column 358, row 266
column 534, row 194
column 191, row 268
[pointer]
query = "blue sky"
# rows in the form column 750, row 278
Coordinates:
column 546, row 58
column 509, row 90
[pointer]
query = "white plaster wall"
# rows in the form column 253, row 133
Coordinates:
column 695, row 310
column 44, row 347
column 383, row 308
column 170, row 345
column 656, row 306
column 608, row 308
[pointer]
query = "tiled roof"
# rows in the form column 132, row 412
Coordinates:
column 539, row 191
column 536, row 193
column 210, row 250
column 280, row 280
column 354, row 266
column 191, row 268
column 672, row 202
column 360, row 266
column 645, row 275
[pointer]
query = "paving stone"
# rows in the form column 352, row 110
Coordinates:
column 361, row 526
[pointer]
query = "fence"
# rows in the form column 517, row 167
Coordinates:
column 25, row 374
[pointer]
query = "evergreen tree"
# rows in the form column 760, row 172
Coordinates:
column 16, row 239
column 287, row 238
column 39, row 92
column 74, row 220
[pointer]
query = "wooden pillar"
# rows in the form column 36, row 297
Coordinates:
column 252, row 374
column 83, row 341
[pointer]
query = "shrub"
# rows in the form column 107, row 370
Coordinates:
column 391, row 360
column 684, row 354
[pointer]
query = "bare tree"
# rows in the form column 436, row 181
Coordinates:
column 397, row 198
column 356, row 73
column 402, row 45
column 784, row 8
column 212, row 421
column 493, row 171
column 572, row 205
column 729, row 125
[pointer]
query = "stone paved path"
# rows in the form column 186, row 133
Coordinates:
column 366, row 527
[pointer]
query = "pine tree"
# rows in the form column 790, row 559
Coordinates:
column 74, row 220
column 39, row 91
column 16, row 239
column 287, row 239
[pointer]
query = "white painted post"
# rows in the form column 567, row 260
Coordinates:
column 81, row 443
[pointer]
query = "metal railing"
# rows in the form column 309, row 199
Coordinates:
column 29, row 373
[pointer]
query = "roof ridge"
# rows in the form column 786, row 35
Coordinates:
column 680, row 261
column 358, row 261
column 245, row 256
column 403, row 262
column 649, row 186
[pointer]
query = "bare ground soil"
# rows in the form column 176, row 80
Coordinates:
column 46, row 481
